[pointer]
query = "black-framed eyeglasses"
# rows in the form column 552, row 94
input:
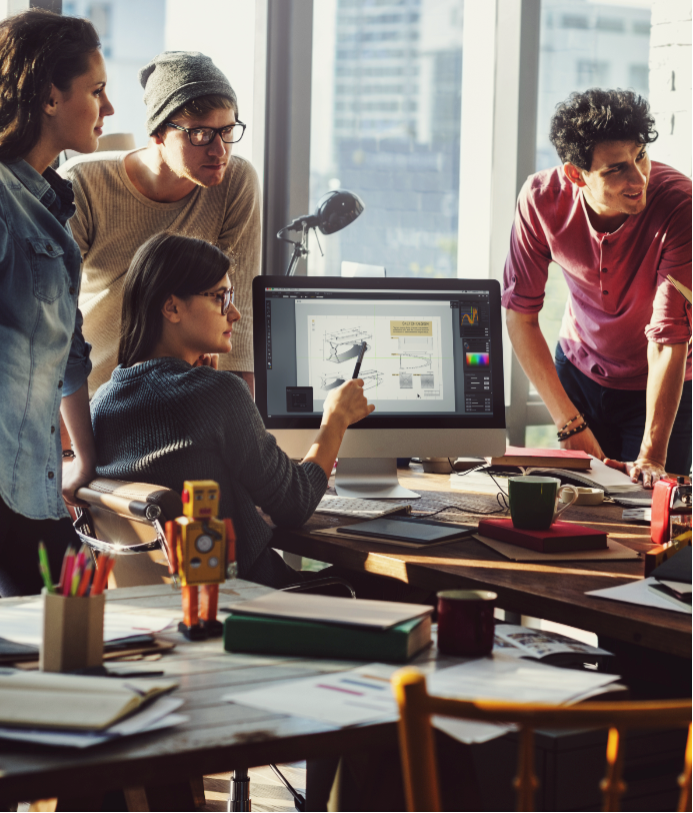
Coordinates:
column 202, row 136
column 226, row 297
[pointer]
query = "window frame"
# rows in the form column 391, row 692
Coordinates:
column 500, row 67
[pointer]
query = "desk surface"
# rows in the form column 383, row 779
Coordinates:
column 552, row 591
column 219, row 737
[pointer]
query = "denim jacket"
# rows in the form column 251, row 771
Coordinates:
column 43, row 355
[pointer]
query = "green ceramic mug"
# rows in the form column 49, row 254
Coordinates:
column 534, row 501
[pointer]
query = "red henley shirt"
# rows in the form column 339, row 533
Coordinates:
column 620, row 297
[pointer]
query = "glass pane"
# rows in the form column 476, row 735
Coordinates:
column 584, row 45
column 133, row 32
column 385, row 124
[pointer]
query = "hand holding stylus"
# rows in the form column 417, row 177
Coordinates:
column 362, row 353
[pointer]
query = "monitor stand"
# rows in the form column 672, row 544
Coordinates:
column 370, row 478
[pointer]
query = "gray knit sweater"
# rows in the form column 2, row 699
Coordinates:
column 163, row 422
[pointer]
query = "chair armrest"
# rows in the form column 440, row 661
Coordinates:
column 141, row 501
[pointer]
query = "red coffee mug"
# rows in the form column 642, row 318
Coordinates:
column 465, row 622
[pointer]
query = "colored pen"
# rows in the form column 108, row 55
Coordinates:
column 84, row 583
column 103, row 568
column 111, row 565
column 77, row 571
column 44, row 567
column 69, row 567
column 364, row 347
column 63, row 570
column 101, row 565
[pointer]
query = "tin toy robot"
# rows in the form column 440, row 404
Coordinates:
column 201, row 549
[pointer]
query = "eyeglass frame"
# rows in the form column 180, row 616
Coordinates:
column 216, row 130
column 227, row 297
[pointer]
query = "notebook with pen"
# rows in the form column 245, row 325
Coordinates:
column 408, row 530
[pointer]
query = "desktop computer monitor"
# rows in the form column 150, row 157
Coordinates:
column 432, row 365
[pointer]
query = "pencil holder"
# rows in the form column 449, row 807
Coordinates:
column 72, row 632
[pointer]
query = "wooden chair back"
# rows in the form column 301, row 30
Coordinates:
column 417, row 744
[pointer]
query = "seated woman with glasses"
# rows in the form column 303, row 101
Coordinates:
column 166, row 416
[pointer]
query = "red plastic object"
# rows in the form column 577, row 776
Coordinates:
column 661, row 503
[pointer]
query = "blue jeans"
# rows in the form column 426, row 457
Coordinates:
column 617, row 417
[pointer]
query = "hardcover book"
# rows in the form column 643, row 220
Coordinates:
column 560, row 537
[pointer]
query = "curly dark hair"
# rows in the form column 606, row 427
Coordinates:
column 585, row 119
column 38, row 48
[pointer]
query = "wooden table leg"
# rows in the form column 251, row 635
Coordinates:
column 174, row 797
column 197, row 786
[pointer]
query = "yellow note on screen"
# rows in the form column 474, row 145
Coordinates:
column 410, row 327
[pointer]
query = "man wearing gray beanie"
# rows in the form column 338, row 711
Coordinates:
column 185, row 181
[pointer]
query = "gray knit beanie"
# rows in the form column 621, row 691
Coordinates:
column 174, row 78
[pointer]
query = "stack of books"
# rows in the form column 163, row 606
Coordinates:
column 329, row 627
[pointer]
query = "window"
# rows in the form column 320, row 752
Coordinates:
column 582, row 53
column 395, row 143
column 592, row 73
column 614, row 24
column 575, row 21
column 639, row 78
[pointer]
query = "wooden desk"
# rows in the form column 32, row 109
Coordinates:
column 156, row 768
column 552, row 591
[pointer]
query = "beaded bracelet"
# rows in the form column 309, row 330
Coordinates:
column 565, row 426
column 565, row 435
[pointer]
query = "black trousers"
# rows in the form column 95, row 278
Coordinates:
column 19, row 538
column 617, row 417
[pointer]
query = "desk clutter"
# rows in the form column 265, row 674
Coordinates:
column 78, row 711
column 561, row 537
column 363, row 695
column 328, row 627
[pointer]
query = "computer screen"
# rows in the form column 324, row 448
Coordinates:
column 431, row 362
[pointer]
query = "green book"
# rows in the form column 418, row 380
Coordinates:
column 281, row 636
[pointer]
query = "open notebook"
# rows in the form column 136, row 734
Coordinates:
column 49, row 700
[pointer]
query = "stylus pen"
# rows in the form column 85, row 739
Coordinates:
column 364, row 347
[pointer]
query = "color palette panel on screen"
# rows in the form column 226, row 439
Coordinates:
column 478, row 359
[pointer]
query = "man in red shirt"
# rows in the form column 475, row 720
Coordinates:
column 617, row 225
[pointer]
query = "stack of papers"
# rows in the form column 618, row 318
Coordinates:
column 78, row 711
column 641, row 592
column 364, row 695
column 23, row 623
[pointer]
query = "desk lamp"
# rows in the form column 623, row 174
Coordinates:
column 334, row 211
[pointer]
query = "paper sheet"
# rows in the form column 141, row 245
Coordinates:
column 503, row 677
column 345, row 698
column 23, row 623
column 611, row 480
column 364, row 695
column 638, row 592
column 156, row 715
column 523, row 642
column 515, row 553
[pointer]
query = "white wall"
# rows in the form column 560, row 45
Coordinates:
column 670, row 82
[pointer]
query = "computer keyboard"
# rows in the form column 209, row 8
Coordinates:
column 359, row 509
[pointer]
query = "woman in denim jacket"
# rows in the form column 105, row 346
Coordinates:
column 52, row 86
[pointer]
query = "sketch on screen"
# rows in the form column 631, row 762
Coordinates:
column 403, row 360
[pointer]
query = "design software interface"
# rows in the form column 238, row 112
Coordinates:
column 422, row 352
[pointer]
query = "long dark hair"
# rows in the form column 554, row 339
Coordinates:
column 166, row 264
column 37, row 49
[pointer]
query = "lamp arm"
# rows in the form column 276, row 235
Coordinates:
column 300, row 250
